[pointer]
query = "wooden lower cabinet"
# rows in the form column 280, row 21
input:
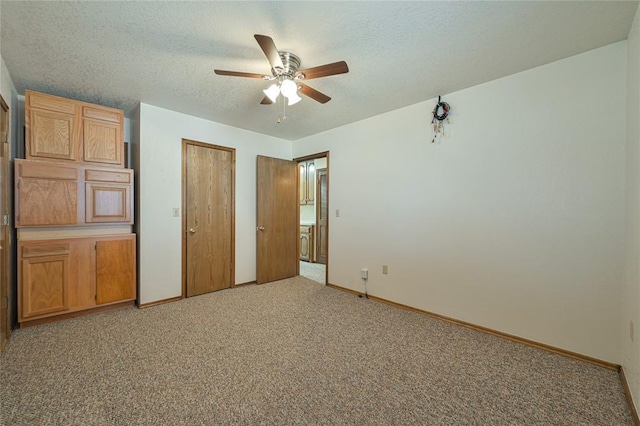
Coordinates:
column 58, row 277
column 306, row 243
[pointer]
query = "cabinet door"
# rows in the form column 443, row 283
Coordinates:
column 115, row 270
column 46, row 194
column 51, row 135
column 304, row 243
column 303, row 183
column 44, row 284
column 108, row 203
column 311, row 181
column 51, row 127
column 102, row 141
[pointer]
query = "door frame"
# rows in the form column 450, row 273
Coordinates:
column 324, row 154
column 185, row 143
column 6, row 194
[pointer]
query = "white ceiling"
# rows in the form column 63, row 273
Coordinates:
column 399, row 53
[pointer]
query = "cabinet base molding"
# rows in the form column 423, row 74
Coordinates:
column 96, row 310
column 548, row 348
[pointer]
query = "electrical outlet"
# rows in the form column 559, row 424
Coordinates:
column 337, row 212
column 631, row 330
column 385, row 269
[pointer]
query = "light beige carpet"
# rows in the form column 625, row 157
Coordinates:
column 314, row 271
column 291, row 352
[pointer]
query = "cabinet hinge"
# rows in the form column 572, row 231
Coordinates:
column 19, row 182
column 5, row 219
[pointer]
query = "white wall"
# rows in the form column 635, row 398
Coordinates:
column 159, row 155
column 514, row 221
column 631, row 289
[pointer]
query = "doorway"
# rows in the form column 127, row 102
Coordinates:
column 314, row 217
column 208, row 220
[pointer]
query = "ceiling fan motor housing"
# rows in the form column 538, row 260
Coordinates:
column 291, row 64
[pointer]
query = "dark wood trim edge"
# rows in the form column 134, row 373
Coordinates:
column 247, row 283
column 83, row 313
column 548, row 348
column 312, row 157
column 627, row 394
column 160, row 302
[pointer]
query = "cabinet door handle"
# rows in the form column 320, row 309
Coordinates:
column 192, row 231
column 260, row 228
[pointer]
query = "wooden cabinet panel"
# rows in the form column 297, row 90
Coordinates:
column 102, row 142
column 115, row 270
column 52, row 135
column 306, row 243
column 45, row 280
column 307, row 182
column 46, row 194
column 55, row 194
column 311, row 182
column 50, row 102
column 47, row 202
column 102, row 113
column 107, row 203
column 112, row 176
column 63, row 129
column 68, row 275
column 303, row 182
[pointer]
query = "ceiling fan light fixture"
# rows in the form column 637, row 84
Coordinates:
column 288, row 88
column 272, row 92
column 293, row 99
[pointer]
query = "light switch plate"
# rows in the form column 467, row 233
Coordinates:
column 176, row 212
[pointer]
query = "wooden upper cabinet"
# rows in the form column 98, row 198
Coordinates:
column 307, row 182
column 303, row 182
column 61, row 194
column 61, row 129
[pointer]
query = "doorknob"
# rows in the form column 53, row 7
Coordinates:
column 260, row 228
column 192, row 231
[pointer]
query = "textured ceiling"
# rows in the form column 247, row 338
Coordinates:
column 399, row 53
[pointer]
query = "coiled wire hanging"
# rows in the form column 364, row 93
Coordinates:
column 437, row 122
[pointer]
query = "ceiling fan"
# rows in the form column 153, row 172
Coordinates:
column 287, row 76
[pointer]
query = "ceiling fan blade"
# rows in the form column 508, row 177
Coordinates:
column 325, row 70
column 239, row 74
column 313, row 93
column 266, row 101
column 271, row 52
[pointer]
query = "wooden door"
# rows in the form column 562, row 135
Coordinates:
column 5, row 322
column 209, row 197
column 322, row 213
column 115, row 270
column 277, row 219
